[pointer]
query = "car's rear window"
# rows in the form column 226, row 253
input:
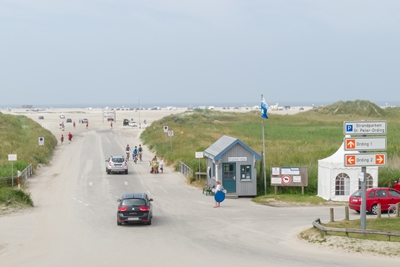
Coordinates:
column 117, row 159
column 133, row 202
column 356, row 194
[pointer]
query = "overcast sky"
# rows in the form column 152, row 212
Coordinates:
column 101, row 52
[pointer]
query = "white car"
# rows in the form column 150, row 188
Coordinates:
column 133, row 124
column 62, row 117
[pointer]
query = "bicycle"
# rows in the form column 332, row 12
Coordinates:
column 127, row 156
column 391, row 209
column 135, row 158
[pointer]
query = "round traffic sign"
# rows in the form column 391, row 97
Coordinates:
column 286, row 179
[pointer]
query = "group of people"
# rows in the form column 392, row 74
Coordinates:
column 157, row 166
column 136, row 153
column 69, row 138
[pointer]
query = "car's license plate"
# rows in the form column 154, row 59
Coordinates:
column 133, row 219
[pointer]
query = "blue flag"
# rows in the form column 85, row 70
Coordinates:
column 264, row 109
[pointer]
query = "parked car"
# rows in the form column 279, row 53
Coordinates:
column 126, row 122
column 62, row 117
column 41, row 118
column 134, row 208
column 84, row 120
column 116, row 164
column 69, row 120
column 133, row 124
column 375, row 196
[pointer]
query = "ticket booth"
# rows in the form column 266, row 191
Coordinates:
column 233, row 163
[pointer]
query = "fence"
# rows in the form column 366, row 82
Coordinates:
column 25, row 174
column 185, row 170
column 317, row 224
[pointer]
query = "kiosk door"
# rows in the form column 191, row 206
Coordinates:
column 229, row 177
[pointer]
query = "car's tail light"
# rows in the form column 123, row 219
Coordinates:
column 124, row 163
column 123, row 208
column 110, row 163
column 144, row 208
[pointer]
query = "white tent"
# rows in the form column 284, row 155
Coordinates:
column 337, row 182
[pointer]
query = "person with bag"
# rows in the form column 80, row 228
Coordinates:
column 219, row 195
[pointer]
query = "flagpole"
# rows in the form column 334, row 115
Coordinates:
column 264, row 156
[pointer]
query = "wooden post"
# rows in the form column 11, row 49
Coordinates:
column 332, row 215
column 346, row 213
column 379, row 211
column 397, row 210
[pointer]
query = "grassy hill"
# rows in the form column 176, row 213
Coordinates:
column 19, row 135
column 291, row 140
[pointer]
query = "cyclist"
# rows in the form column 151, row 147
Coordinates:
column 140, row 152
column 134, row 154
column 127, row 151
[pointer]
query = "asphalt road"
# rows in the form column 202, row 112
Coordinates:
column 74, row 219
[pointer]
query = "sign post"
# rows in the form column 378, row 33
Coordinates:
column 199, row 155
column 362, row 159
column 170, row 134
column 41, row 141
column 12, row 158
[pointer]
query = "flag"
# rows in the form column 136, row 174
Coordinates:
column 264, row 109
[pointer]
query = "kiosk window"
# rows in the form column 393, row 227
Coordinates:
column 245, row 172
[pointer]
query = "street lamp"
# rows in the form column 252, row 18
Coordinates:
column 139, row 114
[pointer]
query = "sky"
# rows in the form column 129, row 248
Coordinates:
column 180, row 52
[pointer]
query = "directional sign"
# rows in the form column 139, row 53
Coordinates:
column 365, row 143
column 364, row 127
column 362, row 160
column 41, row 141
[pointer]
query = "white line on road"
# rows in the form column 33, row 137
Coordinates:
column 126, row 183
column 90, row 183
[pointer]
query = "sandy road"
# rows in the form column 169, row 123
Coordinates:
column 74, row 219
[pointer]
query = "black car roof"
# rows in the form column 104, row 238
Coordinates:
column 134, row 195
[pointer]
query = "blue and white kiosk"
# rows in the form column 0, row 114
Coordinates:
column 233, row 163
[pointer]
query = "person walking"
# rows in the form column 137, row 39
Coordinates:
column 87, row 124
column 70, row 137
column 73, row 124
column 140, row 149
column 111, row 124
column 161, row 164
column 62, row 139
column 218, row 188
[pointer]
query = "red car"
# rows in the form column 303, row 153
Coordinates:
column 375, row 196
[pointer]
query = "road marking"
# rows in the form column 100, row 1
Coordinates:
column 126, row 183
column 86, row 205
column 148, row 192
column 116, row 197
column 90, row 183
